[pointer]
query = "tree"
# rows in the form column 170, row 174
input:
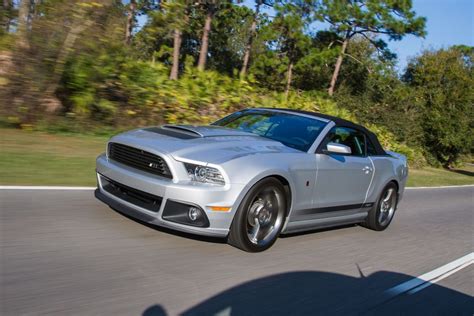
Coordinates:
column 81, row 21
column 313, row 70
column 210, row 7
column 138, row 7
column 22, row 24
column 132, row 8
column 6, row 15
column 350, row 18
column 228, row 39
column 289, row 25
column 444, row 80
column 50, row 37
column 371, row 89
column 253, row 31
column 177, row 38
column 180, row 12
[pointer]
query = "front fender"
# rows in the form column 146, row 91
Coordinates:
column 298, row 169
column 260, row 177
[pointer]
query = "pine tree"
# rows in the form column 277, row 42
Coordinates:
column 350, row 18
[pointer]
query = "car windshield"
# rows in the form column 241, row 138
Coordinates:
column 292, row 130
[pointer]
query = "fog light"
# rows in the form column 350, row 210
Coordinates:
column 186, row 214
column 194, row 213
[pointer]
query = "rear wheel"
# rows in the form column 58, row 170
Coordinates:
column 260, row 216
column 381, row 214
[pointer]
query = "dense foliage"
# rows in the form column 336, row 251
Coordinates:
column 105, row 64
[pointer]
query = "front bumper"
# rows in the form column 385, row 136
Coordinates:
column 187, row 192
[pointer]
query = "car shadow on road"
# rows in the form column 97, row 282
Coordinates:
column 322, row 293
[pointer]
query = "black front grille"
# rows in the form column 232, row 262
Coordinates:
column 143, row 199
column 139, row 159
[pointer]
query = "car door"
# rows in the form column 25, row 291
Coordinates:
column 342, row 180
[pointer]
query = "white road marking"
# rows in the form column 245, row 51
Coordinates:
column 441, row 187
column 423, row 281
column 21, row 187
column 444, row 276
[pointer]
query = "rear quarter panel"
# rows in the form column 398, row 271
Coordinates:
column 387, row 168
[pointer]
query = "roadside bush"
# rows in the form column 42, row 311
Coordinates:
column 444, row 80
column 115, row 91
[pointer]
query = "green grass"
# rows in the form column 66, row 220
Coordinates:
column 430, row 177
column 36, row 158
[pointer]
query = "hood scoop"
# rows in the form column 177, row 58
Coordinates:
column 172, row 133
column 183, row 128
column 192, row 131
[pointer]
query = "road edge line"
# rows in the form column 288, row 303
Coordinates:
column 431, row 277
column 26, row 187
column 441, row 277
column 442, row 187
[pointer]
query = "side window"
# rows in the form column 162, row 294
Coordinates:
column 370, row 148
column 349, row 137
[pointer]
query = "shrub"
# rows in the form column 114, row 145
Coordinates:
column 122, row 92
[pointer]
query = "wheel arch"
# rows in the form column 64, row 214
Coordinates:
column 394, row 181
column 397, row 185
column 285, row 180
column 288, row 190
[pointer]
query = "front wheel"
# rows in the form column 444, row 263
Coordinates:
column 381, row 214
column 260, row 216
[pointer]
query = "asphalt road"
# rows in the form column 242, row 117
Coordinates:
column 63, row 252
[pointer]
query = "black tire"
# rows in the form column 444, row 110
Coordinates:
column 373, row 220
column 254, row 205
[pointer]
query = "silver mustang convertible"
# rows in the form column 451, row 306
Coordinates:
column 253, row 175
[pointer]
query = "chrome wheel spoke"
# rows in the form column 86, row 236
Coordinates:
column 388, row 195
column 387, row 207
column 265, row 216
column 255, row 231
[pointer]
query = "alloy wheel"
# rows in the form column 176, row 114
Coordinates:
column 265, row 216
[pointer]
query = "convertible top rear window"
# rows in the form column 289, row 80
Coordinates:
column 292, row 130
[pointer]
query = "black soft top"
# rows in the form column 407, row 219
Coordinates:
column 341, row 122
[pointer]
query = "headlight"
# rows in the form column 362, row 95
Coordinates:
column 204, row 174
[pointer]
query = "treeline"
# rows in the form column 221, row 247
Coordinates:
column 86, row 64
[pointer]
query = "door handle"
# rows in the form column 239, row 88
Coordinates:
column 367, row 169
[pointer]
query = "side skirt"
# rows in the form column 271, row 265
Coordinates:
column 299, row 226
column 322, row 217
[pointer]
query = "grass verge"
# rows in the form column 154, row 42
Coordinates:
column 430, row 177
column 36, row 158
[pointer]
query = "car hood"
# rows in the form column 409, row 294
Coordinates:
column 211, row 144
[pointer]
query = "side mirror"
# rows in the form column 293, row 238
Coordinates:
column 335, row 148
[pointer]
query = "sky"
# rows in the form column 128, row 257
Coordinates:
column 449, row 22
